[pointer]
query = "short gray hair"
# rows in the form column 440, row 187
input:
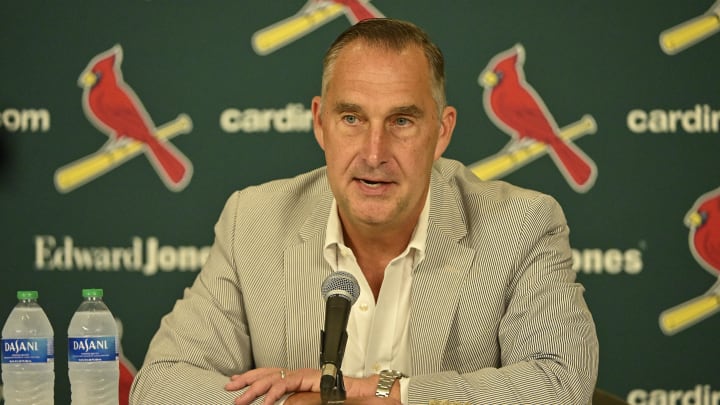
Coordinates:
column 394, row 35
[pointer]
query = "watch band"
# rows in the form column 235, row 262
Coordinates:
column 386, row 381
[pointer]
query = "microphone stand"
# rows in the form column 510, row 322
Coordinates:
column 334, row 394
column 332, row 384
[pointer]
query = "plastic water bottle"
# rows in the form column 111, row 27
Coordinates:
column 93, row 352
column 28, row 354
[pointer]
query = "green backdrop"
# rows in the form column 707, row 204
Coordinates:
column 654, row 145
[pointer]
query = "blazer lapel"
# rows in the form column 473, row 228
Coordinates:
column 438, row 279
column 305, row 270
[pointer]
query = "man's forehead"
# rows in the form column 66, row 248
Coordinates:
column 381, row 65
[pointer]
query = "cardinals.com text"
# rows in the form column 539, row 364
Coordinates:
column 24, row 120
column 293, row 118
column 700, row 119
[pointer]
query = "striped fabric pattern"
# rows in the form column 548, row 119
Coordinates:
column 496, row 318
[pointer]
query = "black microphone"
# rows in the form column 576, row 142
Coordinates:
column 340, row 291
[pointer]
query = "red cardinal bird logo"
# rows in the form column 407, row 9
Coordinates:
column 704, row 223
column 703, row 219
column 114, row 109
column 516, row 108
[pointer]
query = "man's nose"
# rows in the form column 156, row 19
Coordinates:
column 376, row 146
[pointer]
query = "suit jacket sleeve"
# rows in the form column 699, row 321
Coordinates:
column 546, row 350
column 205, row 338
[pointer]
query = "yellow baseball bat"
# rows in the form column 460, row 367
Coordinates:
column 283, row 32
column 81, row 171
column 684, row 35
column 503, row 162
column 688, row 313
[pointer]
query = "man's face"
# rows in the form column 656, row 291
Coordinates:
column 378, row 125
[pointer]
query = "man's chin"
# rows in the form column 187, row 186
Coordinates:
column 374, row 215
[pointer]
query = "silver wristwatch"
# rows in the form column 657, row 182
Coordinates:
column 386, row 381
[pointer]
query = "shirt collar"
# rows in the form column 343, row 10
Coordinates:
column 334, row 235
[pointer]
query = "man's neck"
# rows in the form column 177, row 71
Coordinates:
column 375, row 247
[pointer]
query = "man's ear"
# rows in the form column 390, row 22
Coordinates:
column 317, row 121
column 447, row 126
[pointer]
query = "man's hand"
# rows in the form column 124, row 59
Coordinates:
column 276, row 382
column 273, row 383
column 304, row 398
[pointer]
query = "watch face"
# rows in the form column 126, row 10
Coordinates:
column 386, row 381
column 392, row 373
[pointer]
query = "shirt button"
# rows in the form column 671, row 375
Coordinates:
column 377, row 367
column 364, row 307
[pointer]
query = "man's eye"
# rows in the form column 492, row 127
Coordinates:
column 350, row 119
column 401, row 121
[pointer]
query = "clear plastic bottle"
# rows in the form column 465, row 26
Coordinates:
column 93, row 352
column 28, row 354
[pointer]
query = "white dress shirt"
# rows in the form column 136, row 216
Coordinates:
column 377, row 331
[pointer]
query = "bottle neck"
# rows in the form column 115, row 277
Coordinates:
column 28, row 301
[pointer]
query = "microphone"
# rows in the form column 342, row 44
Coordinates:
column 340, row 291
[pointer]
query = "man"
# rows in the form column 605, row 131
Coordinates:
column 467, row 290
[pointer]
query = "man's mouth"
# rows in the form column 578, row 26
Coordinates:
column 372, row 183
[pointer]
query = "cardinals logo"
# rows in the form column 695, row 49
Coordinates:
column 690, row 32
column 517, row 109
column 314, row 14
column 115, row 110
column 703, row 219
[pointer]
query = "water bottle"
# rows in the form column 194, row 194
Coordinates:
column 28, row 354
column 93, row 352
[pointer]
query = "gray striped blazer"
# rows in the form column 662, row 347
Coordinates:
column 496, row 314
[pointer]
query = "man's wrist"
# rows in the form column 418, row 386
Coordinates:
column 388, row 385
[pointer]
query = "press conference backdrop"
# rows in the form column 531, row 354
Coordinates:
column 630, row 86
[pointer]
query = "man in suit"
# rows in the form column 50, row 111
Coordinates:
column 467, row 291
